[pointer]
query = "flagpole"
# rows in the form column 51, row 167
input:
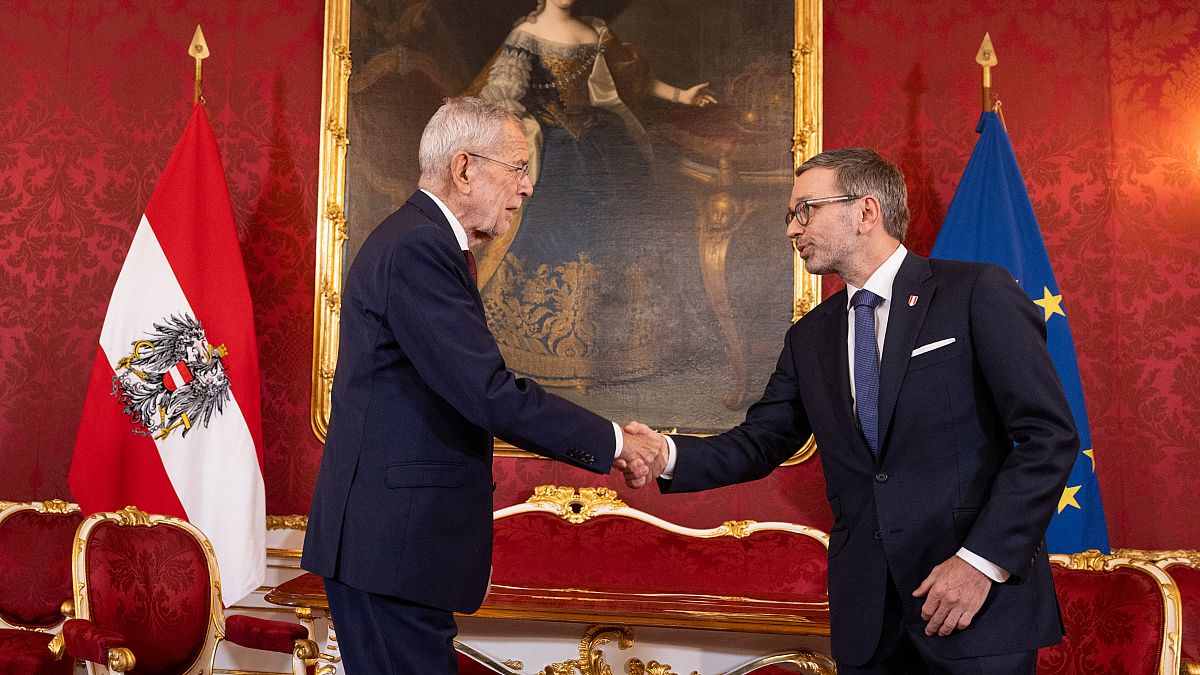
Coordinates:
column 986, row 57
column 199, row 51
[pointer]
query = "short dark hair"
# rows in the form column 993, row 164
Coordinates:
column 860, row 171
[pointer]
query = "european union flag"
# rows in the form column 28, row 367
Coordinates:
column 991, row 220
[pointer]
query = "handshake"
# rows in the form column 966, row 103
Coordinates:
column 643, row 456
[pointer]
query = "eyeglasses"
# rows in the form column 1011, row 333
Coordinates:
column 804, row 209
column 522, row 170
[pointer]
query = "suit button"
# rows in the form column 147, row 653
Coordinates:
column 878, row 535
column 881, row 477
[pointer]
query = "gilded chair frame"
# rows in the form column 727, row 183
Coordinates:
column 8, row 509
column 332, row 234
column 1165, row 559
column 1169, row 652
column 132, row 517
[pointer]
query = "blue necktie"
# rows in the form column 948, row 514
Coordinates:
column 866, row 366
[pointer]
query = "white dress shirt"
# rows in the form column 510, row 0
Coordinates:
column 460, row 234
column 879, row 283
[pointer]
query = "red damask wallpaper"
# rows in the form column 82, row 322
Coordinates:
column 1102, row 102
column 93, row 97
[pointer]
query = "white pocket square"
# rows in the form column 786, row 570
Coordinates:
column 932, row 346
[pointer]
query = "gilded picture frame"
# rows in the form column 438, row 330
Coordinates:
column 695, row 166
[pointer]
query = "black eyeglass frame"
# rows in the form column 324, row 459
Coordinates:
column 521, row 171
column 804, row 208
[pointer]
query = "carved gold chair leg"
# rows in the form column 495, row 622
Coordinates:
column 1189, row 668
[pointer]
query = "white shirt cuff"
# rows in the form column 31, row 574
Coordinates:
column 620, row 440
column 669, row 472
column 994, row 572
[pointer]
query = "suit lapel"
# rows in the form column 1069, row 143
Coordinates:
column 904, row 324
column 834, row 362
column 431, row 210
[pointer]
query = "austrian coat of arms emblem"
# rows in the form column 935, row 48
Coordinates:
column 172, row 379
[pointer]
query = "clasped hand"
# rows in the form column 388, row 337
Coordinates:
column 643, row 456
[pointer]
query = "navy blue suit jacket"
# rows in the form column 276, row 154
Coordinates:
column 403, row 500
column 976, row 443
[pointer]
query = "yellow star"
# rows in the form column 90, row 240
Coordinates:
column 1091, row 454
column 1068, row 498
column 1051, row 304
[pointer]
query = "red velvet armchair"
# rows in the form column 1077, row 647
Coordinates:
column 1122, row 616
column 1184, row 568
column 148, row 594
column 35, row 582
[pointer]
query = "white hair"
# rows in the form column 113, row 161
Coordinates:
column 462, row 123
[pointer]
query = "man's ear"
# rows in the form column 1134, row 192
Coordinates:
column 461, row 173
column 872, row 215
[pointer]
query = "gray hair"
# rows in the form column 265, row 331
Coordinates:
column 462, row 123
column 859, row 171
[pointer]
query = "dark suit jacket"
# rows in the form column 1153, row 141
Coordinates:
column 403, row 501
column 976, row 443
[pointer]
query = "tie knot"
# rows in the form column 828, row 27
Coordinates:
column 865, row 298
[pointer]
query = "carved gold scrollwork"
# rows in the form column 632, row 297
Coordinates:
column 576, row 505
column 58, row 506
column 1088, row 560
column 636, row 667
column 121, row 660
column 58, row 646
column 738, row 529
column 591, row 659
column 287, row 522
column 132, row 515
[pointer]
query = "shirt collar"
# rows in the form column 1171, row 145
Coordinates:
column 459, row 233
column 880, row 283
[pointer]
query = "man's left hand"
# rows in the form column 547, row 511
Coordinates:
column 954, row 591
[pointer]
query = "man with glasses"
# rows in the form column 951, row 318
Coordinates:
column 944, row 435
column 401, row 520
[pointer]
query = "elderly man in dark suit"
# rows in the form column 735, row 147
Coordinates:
column 944, row 434
column 401, row 519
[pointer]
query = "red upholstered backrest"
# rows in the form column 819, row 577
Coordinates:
column 1114, row 622
column 151, row 584
column 35, row 566
column 1188, row 580
column 602, row 554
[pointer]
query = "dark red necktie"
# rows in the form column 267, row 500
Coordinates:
column 471, row 265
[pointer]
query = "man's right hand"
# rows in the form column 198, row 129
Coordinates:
column 644, row 455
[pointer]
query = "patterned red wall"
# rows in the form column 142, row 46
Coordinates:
column 1102, row 102
column 93, row 97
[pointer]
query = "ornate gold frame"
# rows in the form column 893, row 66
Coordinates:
column 806, row 55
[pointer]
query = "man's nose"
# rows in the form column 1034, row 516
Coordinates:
column 525, row 187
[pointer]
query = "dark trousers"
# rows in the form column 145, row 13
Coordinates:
column 386, row 635
column 901, row 651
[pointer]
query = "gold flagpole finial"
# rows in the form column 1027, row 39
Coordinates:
column 199, row 51
column 986, row 57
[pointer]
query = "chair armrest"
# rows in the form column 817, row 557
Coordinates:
column 85, row 640
column 272, row 636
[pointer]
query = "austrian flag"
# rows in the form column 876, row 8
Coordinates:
column 172, row 422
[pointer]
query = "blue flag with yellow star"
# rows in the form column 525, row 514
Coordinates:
column 991, row 220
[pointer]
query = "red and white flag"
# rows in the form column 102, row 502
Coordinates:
column 172, row 422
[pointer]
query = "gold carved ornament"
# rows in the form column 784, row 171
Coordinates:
column 806, row 60
column 591, row 659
